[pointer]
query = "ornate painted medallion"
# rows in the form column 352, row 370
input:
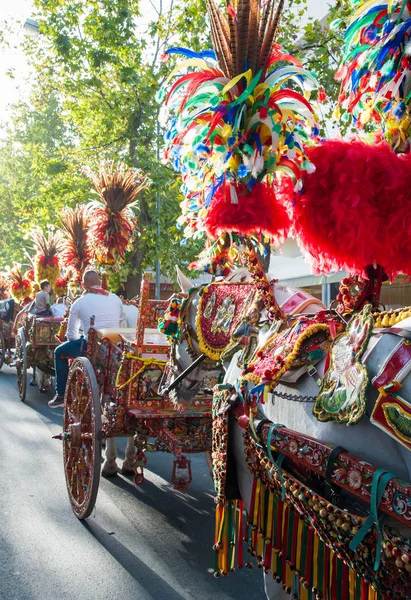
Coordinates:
column 342, row 394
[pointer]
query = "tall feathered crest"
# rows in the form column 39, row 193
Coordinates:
column 239, row 118
column 244, row 38
column 75, row 251
column 4, row 286
column 47, row 247
column 111, row 218
column 20, row 286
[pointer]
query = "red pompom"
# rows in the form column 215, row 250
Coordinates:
column 234, row 208
column 355, row 209
column 243, row 422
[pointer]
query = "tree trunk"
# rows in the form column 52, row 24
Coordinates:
column 133, row 282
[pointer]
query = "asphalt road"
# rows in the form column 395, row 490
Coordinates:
column 141, row 543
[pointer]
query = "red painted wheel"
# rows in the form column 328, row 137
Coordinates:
column 21, row 364
column 82, row 437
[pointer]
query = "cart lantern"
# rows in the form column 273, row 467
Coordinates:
column 181, row 476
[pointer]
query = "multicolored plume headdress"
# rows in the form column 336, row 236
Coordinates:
column 376, row 70
column 46, row 262
column 112, row 220
column 236, row 122
column 75, row 252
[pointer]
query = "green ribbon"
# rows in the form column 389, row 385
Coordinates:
column 277, row 463
column 379, row 483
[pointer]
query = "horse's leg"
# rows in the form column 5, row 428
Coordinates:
column 110, row 466
column 33, row 379
column 209, row 461
column 128, row 467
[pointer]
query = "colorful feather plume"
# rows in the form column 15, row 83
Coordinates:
column 4, row 286
column 20, row 287
column 354, row 211
column 238, row 117
column 46, row 261
column 376, row 71
column 112, row 219
column 75, row 250
column 60, row 287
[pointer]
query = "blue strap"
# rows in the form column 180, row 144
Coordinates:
column 277, row 463
column 379, row 483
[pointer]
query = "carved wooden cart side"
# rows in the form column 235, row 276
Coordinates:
column 35, row 344
column 115, row 391
column 8, row 310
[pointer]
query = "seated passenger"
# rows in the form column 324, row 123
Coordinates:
column 107, row 311
column 59, row 308
column 42, row 301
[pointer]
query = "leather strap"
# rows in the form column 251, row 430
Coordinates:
column 330, row 489
column 334, row 454
column 404, row 333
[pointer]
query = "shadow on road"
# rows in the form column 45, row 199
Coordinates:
column 144, row 575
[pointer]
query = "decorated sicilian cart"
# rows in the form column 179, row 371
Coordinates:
column 36, row 340
column 311, row 428
column 8, row 311
column 115, row 391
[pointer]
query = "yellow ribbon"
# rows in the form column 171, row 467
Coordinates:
column 147, row 362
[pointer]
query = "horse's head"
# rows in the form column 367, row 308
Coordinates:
column 185, row 351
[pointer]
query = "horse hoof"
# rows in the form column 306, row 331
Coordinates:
column 107, row 473
column 126, row 470
column 33, row 383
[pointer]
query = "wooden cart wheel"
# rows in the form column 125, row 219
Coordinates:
column 82, row 437
column 21, row 364
column 2, row 349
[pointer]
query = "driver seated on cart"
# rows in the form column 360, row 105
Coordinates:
column 107, row 310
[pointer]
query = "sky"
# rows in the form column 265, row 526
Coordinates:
column 15, row 11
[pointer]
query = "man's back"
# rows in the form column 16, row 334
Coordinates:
column 106, row 309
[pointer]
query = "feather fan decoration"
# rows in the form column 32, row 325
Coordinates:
column 75, row 251
column 4, row 286
column 376, row 71
column 111, row 218
column 237, row 119
column 46, row 262
column 20, row 287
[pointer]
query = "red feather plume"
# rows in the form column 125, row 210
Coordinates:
column 256, row 210
column 355, row 209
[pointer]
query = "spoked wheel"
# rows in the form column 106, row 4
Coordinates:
column 2, row 349
column 21, row 364
column 82, row 437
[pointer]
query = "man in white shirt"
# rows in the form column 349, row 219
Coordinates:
column 107, row 311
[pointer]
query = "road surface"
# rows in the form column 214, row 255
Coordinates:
column 141, row 543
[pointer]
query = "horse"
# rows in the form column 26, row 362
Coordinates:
column 291, row 404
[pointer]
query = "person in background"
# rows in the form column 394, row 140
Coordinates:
column 59, row 308
column 107, row 310
column 42, row 301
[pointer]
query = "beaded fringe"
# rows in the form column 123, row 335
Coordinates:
column 283, row 544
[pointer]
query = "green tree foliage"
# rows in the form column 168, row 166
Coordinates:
column 97, row 72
